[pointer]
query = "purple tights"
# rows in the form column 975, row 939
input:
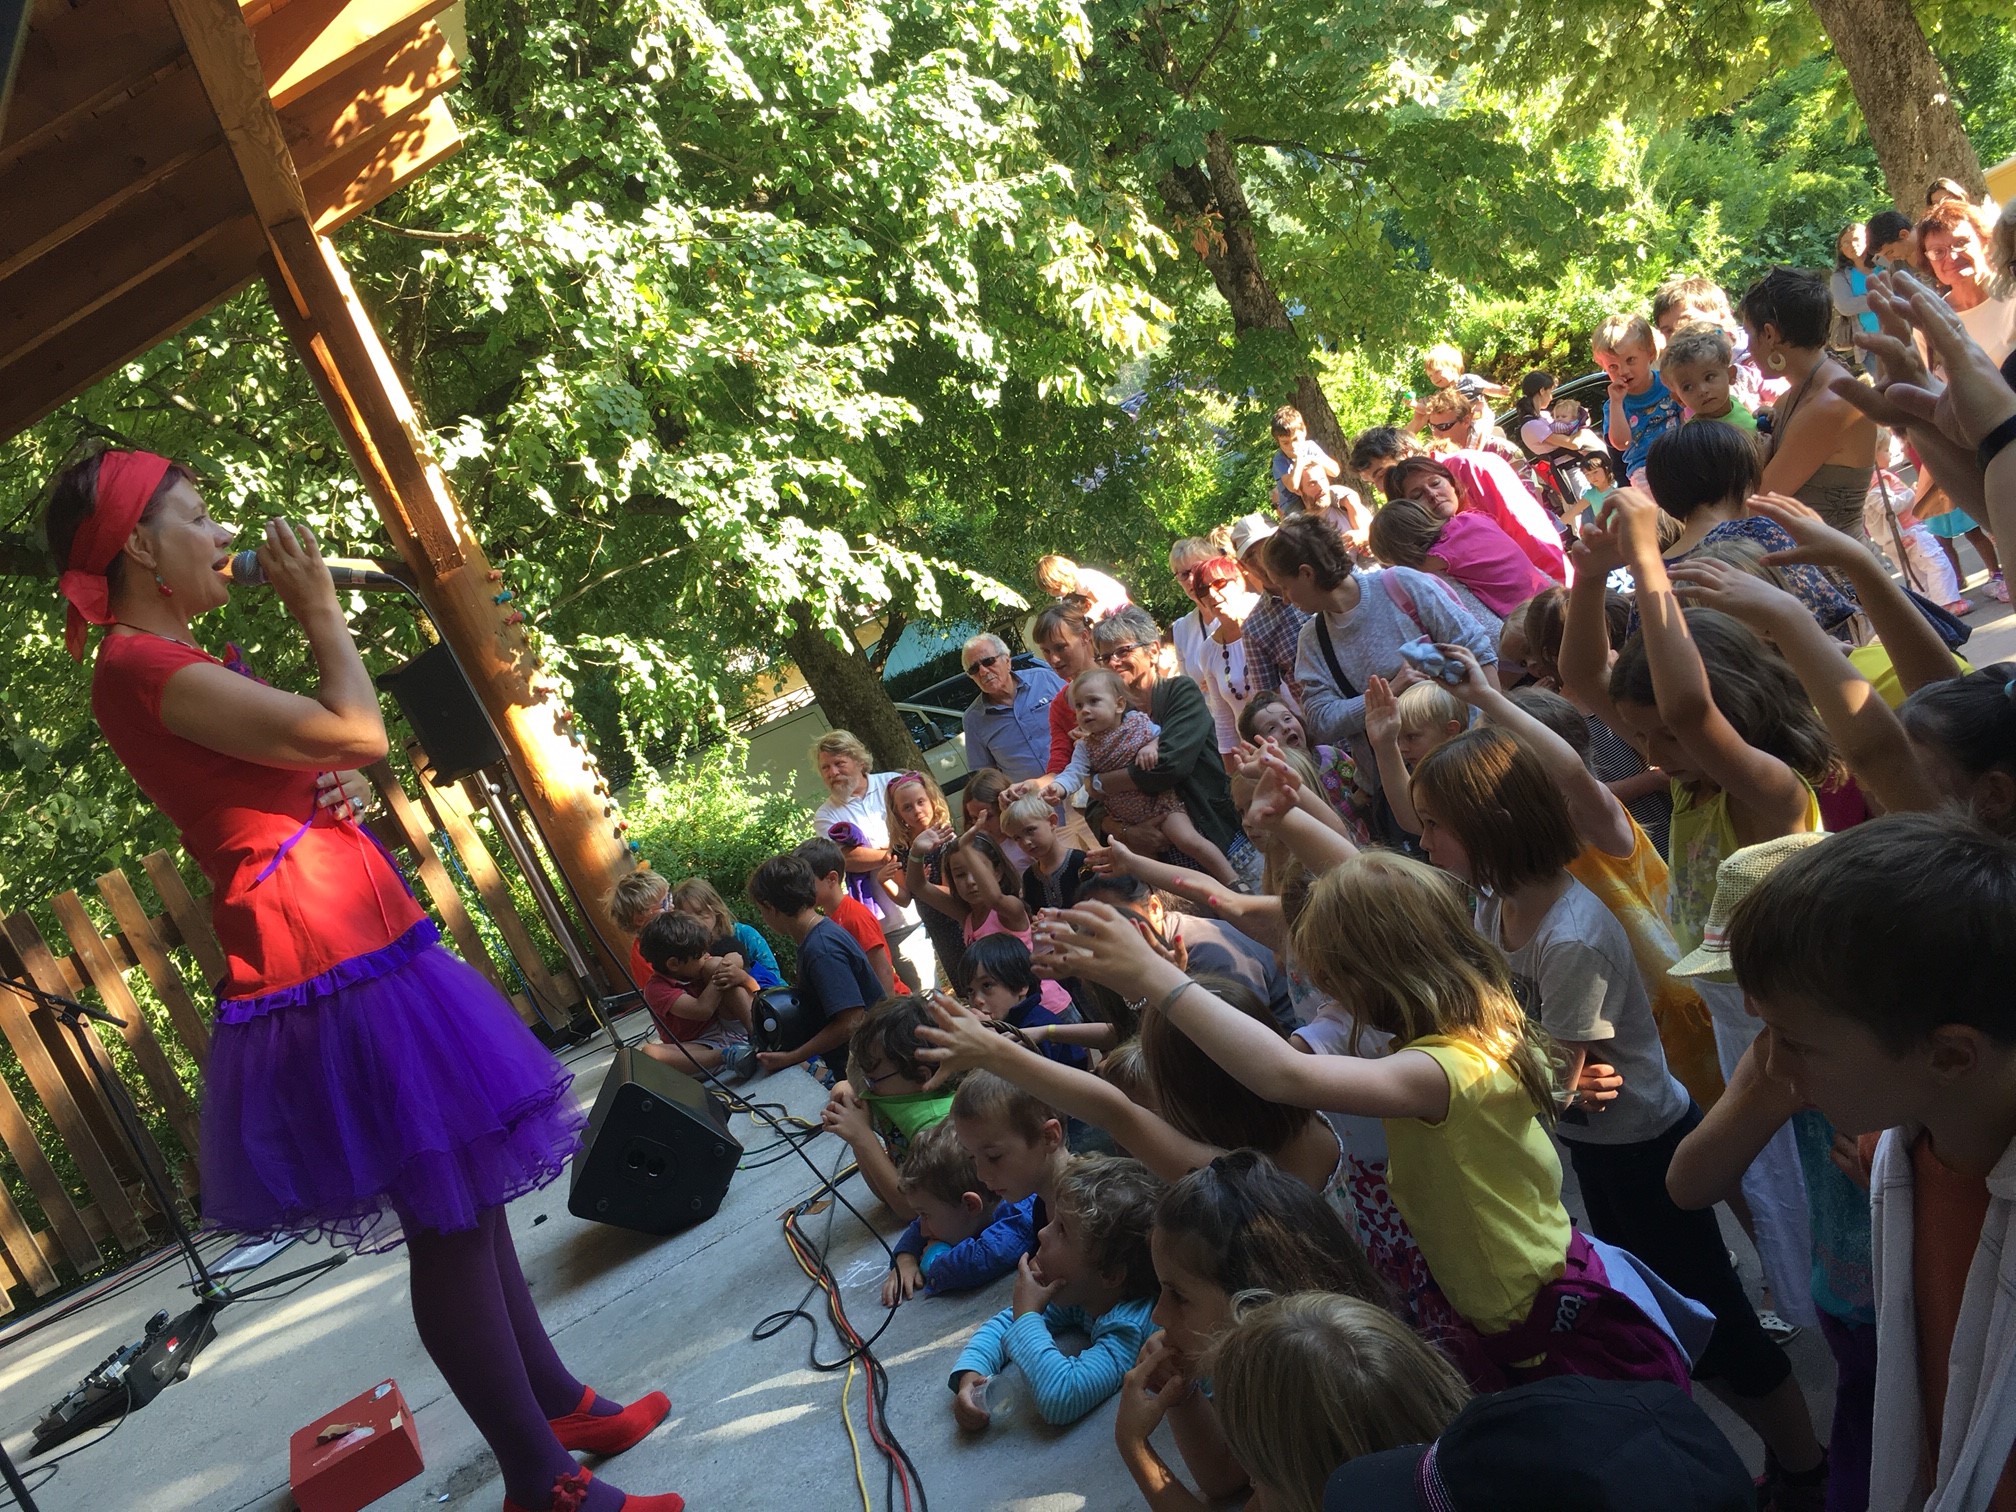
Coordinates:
column 480, row 1326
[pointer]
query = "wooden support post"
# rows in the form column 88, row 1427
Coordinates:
column 71, row 1114
column 335, row 335
column 348, row 363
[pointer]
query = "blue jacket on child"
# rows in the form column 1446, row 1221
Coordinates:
column 987, row 1256
column 1066, row 1387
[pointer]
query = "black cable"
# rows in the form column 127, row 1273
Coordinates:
column 48, row 1469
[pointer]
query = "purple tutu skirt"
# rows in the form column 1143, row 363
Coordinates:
column 397, row 1092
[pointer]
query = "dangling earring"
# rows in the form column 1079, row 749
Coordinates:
column 162, row 588
column 1775, row 362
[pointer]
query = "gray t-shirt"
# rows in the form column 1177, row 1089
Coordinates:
column 1577, row 973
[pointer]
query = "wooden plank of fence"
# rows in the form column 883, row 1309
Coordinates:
column 89, row 949
column 413, row 834
column 60, row 974
column 73, row 1120
column 191, row 919
column 150, row 953
column 450, row 809
column 65, row 1222
column 22, row 1250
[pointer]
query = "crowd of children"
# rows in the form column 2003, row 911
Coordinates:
column 1705, row 886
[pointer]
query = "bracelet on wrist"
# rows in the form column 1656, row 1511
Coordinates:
column 1174, row 993
column 1995, row 441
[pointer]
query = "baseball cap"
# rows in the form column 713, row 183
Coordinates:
column 1249, row 531
column 1565, row 1442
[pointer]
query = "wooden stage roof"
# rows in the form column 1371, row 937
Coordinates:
column 128, row 209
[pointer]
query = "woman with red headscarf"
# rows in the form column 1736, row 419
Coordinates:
column 363, row 1085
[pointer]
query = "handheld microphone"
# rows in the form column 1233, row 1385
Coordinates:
column 244, row 570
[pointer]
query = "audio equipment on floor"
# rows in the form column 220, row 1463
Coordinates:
column 130, row 1377
column 657, row 1156
column 782, row 1020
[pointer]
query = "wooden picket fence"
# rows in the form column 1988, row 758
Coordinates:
column 106, row 1204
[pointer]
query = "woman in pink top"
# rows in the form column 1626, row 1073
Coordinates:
column 1488, row 486
column 1426, row 528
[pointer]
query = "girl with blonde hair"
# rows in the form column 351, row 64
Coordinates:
column 1467, row 1100
column 1305, row 1383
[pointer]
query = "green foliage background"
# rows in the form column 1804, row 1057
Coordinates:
column 735, row 306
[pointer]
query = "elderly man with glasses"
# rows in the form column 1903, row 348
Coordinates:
column 1008, row 725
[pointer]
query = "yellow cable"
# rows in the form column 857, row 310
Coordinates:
column 860, row 1478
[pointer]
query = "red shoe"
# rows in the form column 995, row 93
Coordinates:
column 612, row 1432
column 570, row 1494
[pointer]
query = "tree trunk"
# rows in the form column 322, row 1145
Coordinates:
column 850, row 693
column 1906, row 102
column 1209, row 203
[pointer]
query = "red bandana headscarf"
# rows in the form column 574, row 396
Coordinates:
column 126, row 481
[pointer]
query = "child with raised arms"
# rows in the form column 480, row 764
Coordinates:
column 1092, row 1271
column 1463, row 1097
column 1725, row 718
column 1493, row 818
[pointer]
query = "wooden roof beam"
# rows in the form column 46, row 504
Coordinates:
column 144, row 235
column 66, row 183
column 227, row 61
column 353, row 184
column 81, row 55
column 308, row 42
column 55, row 372
column 369, row 99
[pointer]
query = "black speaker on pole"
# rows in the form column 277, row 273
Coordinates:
column 442, row 708
column 657, row 1156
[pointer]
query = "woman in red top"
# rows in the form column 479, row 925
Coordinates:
column 363, row 1084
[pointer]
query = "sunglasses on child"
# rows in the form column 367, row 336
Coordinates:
column 1445, row 425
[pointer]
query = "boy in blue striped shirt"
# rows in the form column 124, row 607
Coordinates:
column 1092, row 1272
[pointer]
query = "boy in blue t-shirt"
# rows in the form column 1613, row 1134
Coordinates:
column 834, row 975
column 1641, row 407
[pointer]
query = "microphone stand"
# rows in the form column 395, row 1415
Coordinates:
column 212, row 1295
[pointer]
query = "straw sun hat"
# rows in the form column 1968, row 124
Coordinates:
column 1735, row 879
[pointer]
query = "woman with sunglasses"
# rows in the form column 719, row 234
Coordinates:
column 1187, row 762
column 1224, row 600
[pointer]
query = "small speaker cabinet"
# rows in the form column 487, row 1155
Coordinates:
column 657, row 1156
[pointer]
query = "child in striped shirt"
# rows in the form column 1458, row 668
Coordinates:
column 1092, row 1271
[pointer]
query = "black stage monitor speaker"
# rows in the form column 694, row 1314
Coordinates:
column 657, row 1156
column 447, row 720
column 782, row 1020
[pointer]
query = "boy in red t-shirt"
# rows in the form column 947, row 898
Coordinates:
column 699, row 1002
column 1881, row 963
column 829, row 869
